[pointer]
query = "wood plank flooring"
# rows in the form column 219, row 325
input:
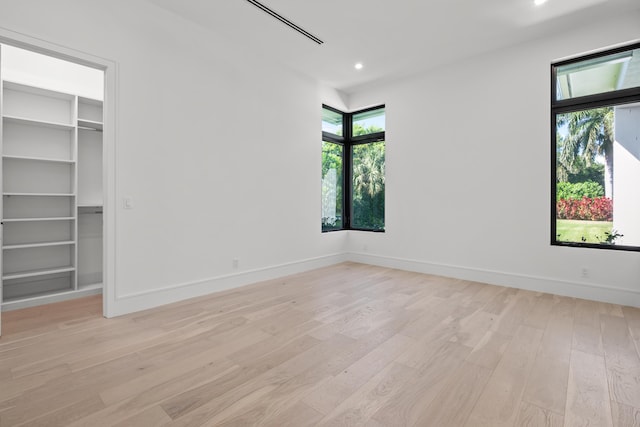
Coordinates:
column 347, row 345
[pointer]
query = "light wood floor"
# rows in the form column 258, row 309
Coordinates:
column 345, row 345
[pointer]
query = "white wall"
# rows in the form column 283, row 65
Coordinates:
column 468, row 174
column 218, row 148
column 626, row 174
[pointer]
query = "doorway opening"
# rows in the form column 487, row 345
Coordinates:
column 53, row 178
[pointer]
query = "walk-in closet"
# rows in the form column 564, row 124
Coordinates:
column 52, row 178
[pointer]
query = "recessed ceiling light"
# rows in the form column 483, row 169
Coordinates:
column 358, row 66
column 539, row 2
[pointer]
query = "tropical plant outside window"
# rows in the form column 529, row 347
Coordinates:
column 596, row 143
column 332, row 185
column 353, row 169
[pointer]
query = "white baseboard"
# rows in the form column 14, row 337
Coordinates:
column 520, row 281
column 130, row 303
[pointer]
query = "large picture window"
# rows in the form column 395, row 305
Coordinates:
column 595, row 109
column 353, row 169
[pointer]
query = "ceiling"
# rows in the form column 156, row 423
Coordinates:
column 392, row 39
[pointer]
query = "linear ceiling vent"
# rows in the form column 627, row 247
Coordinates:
column 285, row 21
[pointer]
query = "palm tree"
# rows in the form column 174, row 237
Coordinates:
column 368, row 185
column 591, row 134
column 564, row 165
column 368, row 170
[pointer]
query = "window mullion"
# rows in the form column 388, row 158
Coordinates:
column 347, row 194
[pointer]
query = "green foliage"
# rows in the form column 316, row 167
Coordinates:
column 611, row 237
column 332, row 159
column 368, row 185
column 593, row 172
column 578, row 190
column 590, row 135
column 359, row 130
column 368, row 180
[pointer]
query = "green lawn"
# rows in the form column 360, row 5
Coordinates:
column 569, row 230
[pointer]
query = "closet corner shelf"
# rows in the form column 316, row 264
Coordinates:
column 38, row 159
column 35, row 122
column 35, row 273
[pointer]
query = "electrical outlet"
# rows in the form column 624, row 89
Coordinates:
column 235, row 263
column 584, row 272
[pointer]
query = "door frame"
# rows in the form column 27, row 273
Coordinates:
column 109, row 139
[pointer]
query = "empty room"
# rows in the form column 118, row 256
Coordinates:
column 296, row 213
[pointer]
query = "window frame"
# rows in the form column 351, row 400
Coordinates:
column 605, row 99
column 348, row 141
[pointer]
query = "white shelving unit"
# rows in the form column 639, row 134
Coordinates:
column 51, row 195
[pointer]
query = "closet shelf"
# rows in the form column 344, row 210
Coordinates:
column 38, row 159
column 90, row 286
column 39, row 272
column 39, row 245
column 35, row 122
column 55, row 218
column 36, row 90
column 40, row 194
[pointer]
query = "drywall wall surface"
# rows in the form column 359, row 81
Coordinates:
column 468, row 174
column 217, row 148
column 334, row 98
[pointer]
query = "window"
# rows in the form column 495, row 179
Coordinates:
column 332, row 185
column 595, row 116
column 353, row 169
